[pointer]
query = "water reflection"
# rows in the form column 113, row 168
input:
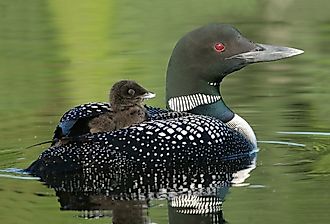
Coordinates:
column 194, row 195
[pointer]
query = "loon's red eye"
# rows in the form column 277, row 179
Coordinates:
column 219, row 47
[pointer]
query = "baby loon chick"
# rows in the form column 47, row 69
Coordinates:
column 126, row 100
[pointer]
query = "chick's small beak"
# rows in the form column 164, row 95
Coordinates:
column 148, row 95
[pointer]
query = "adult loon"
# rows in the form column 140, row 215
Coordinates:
column 126, row 100
column 202, row 138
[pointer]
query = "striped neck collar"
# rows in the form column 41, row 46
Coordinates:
column 189, row 102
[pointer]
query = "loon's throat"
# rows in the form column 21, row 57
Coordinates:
column 217, row 109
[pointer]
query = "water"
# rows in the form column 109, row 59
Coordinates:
column 57, row 54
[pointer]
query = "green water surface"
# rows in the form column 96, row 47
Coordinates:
column 56, row 54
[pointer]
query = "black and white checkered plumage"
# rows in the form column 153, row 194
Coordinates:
column 175, row 140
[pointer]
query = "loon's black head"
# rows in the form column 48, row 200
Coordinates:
column 203, row 57
column 127, row 93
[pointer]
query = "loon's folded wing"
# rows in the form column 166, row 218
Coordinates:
column 75, row 121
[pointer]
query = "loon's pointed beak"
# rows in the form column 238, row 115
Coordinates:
column 148, row 95
column 265, row 52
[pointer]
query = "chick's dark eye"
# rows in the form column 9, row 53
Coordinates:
column 131, row 92
column 219, row 47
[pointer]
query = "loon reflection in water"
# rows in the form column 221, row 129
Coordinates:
column 95, row 189
column 177, row 151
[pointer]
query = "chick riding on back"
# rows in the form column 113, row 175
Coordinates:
column 127, row 108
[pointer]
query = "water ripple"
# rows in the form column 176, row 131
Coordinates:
column 303, row 133
column 283, row 143
column 16, row 173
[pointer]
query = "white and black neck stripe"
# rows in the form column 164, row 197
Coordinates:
column 185, row 103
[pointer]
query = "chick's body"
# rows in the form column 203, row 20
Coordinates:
column 127, row 108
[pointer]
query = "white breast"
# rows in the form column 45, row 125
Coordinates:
column 240, row 125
